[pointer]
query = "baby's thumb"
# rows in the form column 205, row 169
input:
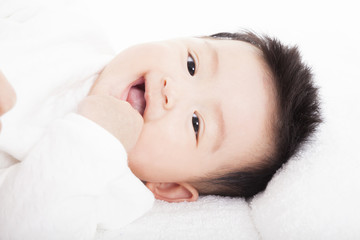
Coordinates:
column 129, row 126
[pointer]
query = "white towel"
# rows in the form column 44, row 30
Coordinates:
column 211, row 217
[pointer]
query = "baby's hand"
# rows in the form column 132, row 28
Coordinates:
column 117, row 117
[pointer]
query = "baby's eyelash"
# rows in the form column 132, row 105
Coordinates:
column 196, row 125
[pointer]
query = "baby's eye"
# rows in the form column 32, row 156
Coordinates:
column 191, row 65
column 196, row 125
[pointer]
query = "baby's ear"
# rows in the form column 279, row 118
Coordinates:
column 173, row 192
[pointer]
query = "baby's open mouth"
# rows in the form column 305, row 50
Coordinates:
column 136, row 96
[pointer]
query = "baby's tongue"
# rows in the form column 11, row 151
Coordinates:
column 137, row 100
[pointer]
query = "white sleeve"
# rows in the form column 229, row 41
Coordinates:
column 74, row 182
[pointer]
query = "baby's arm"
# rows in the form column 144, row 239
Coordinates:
column 68, row 186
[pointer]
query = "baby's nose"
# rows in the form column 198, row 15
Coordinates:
column 168, row 93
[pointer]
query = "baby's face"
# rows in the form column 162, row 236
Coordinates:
column 206, row 108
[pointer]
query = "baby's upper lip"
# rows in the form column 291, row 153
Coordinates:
column 147, row 97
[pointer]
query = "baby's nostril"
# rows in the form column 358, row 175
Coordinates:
column 164, row 83
column 166, row 100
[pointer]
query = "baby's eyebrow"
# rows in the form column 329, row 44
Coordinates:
column 220, row 130
column 214, row 58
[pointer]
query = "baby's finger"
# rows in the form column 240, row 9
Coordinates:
column 7, row 95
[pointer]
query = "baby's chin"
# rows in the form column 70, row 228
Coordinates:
column 136, row 166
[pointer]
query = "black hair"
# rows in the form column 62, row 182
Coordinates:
column 298, row 115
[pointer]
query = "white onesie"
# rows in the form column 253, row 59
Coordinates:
column 61, row 175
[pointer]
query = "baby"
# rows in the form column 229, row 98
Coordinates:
column 196, row 116
column 221, row 114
